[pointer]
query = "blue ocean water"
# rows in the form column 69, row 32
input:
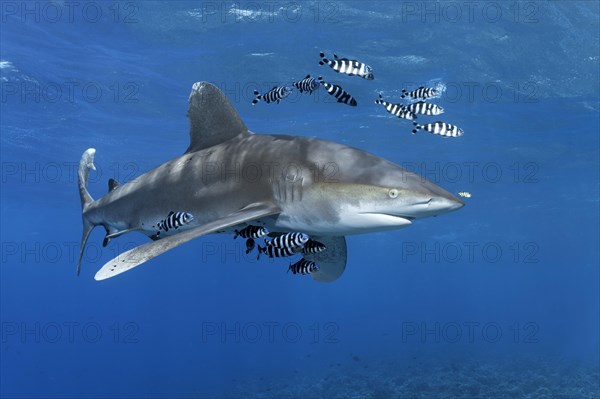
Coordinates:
column 497, row 300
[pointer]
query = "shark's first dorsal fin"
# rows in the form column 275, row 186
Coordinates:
column 112, row 184
column 213, row 119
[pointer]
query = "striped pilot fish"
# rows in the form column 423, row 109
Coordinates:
column 288, row 240
column 174, row 220
column 465, row 194
column 399, row 110
column 276, row 252
column 424, row 108
column 339, row 93
column 422, row 93
column 440, row 128
column 251, row 232
column 349, row 67
column 313, row 247
column 307, row 85
column 303, row 266
column 276, row 94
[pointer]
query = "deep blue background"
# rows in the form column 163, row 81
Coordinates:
column 532, row 116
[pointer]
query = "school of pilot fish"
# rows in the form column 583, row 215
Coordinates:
column 412, row 104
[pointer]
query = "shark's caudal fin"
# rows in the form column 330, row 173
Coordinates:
column 213, row 119
column 85, row 164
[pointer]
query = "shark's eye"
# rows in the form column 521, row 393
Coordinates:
column 393, row 193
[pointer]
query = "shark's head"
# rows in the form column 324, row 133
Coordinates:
column 372, row 194
column 375, row 207
column 394, row 203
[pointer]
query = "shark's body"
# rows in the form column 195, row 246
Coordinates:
column 230, row 177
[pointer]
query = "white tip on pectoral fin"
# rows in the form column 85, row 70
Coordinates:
column 332, row 261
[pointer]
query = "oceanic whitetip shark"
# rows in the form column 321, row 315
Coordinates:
column 230, row 177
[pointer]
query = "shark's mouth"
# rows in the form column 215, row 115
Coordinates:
column 386, row 219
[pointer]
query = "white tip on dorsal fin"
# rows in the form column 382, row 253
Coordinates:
column 213, row 119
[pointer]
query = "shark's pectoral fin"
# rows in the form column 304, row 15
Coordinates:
column 136, row 256
column 332, row 261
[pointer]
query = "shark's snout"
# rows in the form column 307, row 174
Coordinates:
column 445, row 203
column 448, row 203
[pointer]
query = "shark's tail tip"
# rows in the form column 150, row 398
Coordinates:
column 88, row 158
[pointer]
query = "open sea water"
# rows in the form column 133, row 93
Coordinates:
column 497, row 300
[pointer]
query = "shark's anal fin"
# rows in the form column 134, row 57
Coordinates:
column 332, row 261
column 136, row 256
column 213, row 120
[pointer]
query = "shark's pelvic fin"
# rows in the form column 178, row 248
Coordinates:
column 332, row 261
column 110, row 236
column 213, row 120
column 121, row 232
column 136, row 256
column 85, row 164
column 112, row 184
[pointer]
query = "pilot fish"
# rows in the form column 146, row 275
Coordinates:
column 307, row 85
column 276, row 94
column 174, row 220
column 276, row 252
column 313, row 247
column 349, row 67
column 339, row 93
column 288, row 240
column 440, row 128
column 422, row 93
column 424, row 108
column 399, row 110
column 251, row 232
column 303, row 266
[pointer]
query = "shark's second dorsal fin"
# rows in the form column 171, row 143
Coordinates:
column 213, row 119
column 112, row 184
